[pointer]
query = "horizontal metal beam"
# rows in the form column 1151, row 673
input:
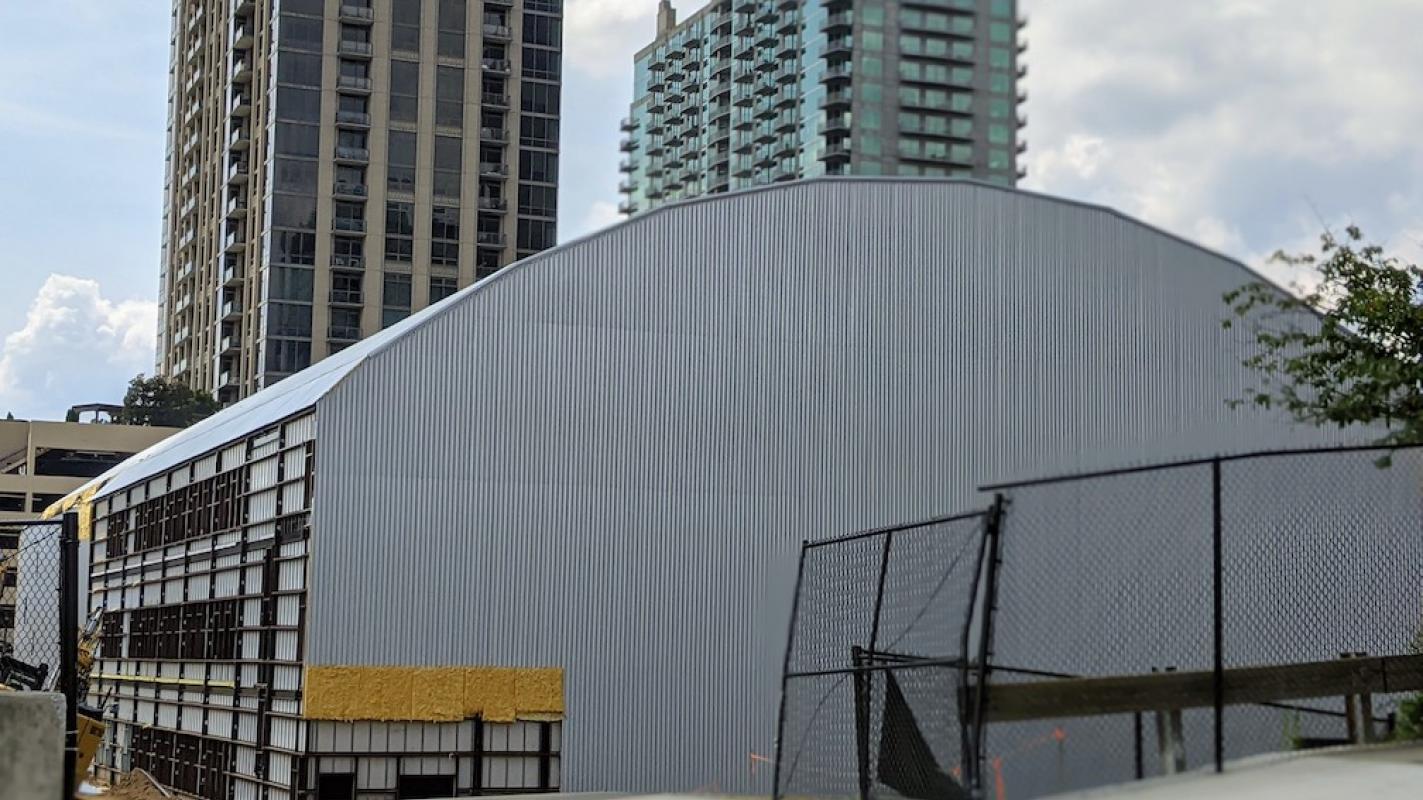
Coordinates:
column 1086, row 697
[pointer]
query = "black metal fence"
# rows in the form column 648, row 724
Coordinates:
column 1262, row 560
column 39, row 615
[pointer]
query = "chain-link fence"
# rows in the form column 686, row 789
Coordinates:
column 39, row 614
column 1264, row 562
column 876, row 658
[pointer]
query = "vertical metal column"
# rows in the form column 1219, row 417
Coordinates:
column 968, row 749
column 69, row 641
column 993, row 561
column 785, row 668
column 879, row 593
column 1218, row 578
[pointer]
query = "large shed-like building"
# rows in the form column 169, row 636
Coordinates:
column 542, row 534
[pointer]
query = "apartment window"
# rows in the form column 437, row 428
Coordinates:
column 395, row 298
column 1000, row 33
column 445, row 223
column 355, row 34
column 449, row 96
column 550, row 6
column 999, row 134
column 352, row 103
column 345, row 323
column 290, row 283
column 538, row 166
column 311, row 7
column 293, row 247
column 541, row 64
column 287, row 355
column 535, row 234
column 538, row 201
column 405, row 27
column 293, row 139
column 546, row 31
column 399, row 231
column 354, row 139
column 293, row 175
column 999, row 58
column 303, row 69
column 348, row 251
column 999, row 159
column 294, row 211
column 451, row 28
column 445, row 254
column 999, row 82
column 288, row 319
column 404, row 91
column 346, row 287
column 298, row 105
column 998, row 109
column 539, row 98
column 355, row 69
column 447, row 166
column 298, row 33
column 440, row 288
column 401, row 167
column 1003, row 9
column 538, row 132
column 350, row 177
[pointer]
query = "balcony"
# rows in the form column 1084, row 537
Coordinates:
column 244, row 33
column 627, row 125
column 237, row 138
column 495, row 100
column 493, row 135
column 839, row 21
column 353, row 119
column 357, row 15
column 354, row 84
column 354, row 49
column 489, row 169
column 241, row 70
column 498, row 204
column 839, row 46
column 241, row 8
column 835, row 125
column 237, row 172
column 627, row 145
column 500, row 33
column 837, row 72
column 229, row 345
column 236, row 205
column 353, row 155
column 348, row 225
column 227, row 379
column 489, row 239
column 627, row 208
column 499, row 66
column 345, row 190
column 235, row 241
column 627, row 165
column 241, row 105
column 350, row 261
column 836, row 151
column 840, row 99
column 232, row 272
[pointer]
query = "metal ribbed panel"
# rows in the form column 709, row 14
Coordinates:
column 605, row 458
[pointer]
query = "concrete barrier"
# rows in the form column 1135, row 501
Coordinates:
column 31, row 745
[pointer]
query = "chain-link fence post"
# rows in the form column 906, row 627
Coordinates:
column 785, row 670
column 993, row 560
column 1218, row 615
column 69, row 642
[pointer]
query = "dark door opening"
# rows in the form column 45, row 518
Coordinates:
column 425, row 787
column 335, row 787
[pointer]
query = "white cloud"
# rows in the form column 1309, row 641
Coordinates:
column 600, row 36
column 1241, row 124
column 75, row 346
column 600, row 215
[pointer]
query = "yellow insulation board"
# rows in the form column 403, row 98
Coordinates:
column 82, row 499
column 433, row 694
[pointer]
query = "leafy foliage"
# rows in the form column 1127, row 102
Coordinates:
column 1362, row 363
column 161, row 402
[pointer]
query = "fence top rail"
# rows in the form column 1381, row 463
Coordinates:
column 907, row 526
column 1194, row 462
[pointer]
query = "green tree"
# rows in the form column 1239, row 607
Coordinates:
column 1347, row 352
column 161, row 402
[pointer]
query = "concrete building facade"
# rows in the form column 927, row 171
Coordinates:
column 749, row 92
column 40, row 463
column 335, row 165
column 543, row 536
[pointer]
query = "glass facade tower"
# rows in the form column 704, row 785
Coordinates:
column 750, row 92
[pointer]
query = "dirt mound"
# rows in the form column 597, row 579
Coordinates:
column 136, row 785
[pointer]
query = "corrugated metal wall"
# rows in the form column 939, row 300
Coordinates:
column 605, row 458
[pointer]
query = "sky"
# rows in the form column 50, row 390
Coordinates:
column 1245, row 125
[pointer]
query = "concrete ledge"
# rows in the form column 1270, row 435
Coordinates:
column 31, row 745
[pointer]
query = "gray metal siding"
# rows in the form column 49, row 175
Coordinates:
column 604, row 458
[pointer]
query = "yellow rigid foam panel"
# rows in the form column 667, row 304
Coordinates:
column 433, row 694
column 81, row 499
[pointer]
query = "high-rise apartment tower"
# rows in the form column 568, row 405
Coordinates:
column 334, row 165
column 750, row 92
